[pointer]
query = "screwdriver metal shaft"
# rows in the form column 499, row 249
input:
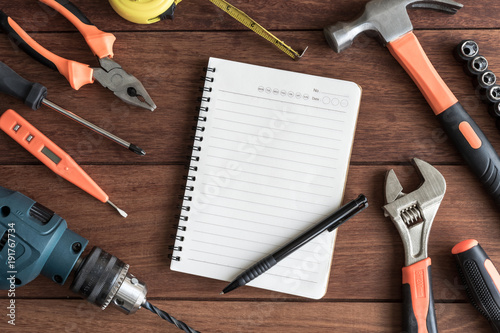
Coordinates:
column 93, row 127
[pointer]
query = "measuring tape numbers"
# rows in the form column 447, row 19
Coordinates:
column 148, row 12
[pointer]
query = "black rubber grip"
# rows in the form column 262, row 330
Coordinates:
column 256, row 270
column 75, row 11
column 410, row 324
column 11, row 83
column 484, row 161
column 480, row 287
column 16, row 39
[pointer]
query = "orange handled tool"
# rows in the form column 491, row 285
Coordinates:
column 470, row 141
column 481, row 280
column 110, row 74
column 51, row 155
column 389, row 22
column 413, row 215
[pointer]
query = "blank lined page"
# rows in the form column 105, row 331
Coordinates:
column 272, row 159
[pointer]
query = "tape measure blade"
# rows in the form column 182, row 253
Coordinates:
column 251, row 24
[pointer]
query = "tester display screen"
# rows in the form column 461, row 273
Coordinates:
column 50, row 154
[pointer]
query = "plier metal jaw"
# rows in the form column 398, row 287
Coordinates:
column 124, row 85
column 110, row 74
column 413, row 215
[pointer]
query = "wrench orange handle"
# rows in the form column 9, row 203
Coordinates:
column 418, row 301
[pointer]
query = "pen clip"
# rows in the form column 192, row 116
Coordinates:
column 355, row 212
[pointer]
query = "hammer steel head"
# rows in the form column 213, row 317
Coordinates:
column 387, row 20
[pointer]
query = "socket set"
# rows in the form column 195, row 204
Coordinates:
column 483, row 79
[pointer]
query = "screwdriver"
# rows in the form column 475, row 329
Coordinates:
column 481, row 280
column 51, row 155
column 33, row 95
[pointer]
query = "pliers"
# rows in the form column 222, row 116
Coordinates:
column 110, row 74
column 413, row 215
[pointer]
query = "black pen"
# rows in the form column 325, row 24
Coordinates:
column 330, row 223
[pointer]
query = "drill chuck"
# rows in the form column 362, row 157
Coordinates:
column 103, row 279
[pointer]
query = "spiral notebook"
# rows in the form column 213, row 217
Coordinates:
column 270, row 159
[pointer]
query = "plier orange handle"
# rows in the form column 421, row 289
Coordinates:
column 109, row 74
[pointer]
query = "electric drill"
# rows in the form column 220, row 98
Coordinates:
column 35, row 240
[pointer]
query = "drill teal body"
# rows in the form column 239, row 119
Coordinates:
column 34, row 240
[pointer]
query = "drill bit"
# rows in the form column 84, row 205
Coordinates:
column 165, row 316
column 120, row 211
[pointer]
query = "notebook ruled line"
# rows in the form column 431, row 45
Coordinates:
column 262, row 204
column 280, row 139
column 277, row 139
column 272, row 196
column 282, row 188
column 280, row 101
column 264, row 175
column 279, row 149
column 280, row 130
column 260, row 107
column 260, row 213
column 253, row 222
column 287, row 121
column 241, row 269
column 251, row 261
column 277, row 158
column 247, row 250
column 278, row 168
column 332, row 94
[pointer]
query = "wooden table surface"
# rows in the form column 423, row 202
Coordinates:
column 395, row 125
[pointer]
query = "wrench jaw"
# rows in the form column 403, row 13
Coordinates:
column 413, row 213
column 414, row 228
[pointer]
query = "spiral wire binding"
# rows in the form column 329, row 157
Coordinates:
column 197, row 138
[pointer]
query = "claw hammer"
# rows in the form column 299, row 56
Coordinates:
column 388, row 20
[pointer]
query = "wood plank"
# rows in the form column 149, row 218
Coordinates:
column 248, row 317
column 368, row 257
column 284, row 15
column 395, row 123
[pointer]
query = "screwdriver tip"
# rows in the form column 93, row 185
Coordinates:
column 137, row 150
column 221, row 293
column 120, row 211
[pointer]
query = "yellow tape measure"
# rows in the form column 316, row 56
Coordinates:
column 151, row 11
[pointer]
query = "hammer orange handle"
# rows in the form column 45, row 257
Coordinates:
column 418, row 302
column 76, row 73
column 470, row 141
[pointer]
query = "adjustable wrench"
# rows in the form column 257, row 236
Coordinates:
column 413, row 215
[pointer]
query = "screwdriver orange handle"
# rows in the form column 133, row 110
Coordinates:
column 470, row 141
column 76, row 73
column 481, row 280
column 49, row 153
column 101, row 43
column 418, row 301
